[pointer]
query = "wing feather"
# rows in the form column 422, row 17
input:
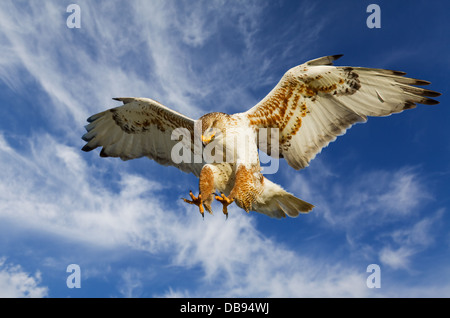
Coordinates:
column 141, row 127
column 316, row 102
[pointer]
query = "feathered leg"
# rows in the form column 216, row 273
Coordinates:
column 206, row 191
column 244, row 190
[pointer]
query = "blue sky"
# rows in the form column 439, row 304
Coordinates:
column 381, row 191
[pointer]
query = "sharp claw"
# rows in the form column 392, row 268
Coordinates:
column 225, row 202
column 197, row 201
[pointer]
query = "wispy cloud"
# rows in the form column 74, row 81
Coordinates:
column 79, row 74
column 406, row 242
column 16, row 283
column 159, row 51
column 232, row 254
column 374, row 206
column 381, row 195
column 55, row 191
column 131, row 283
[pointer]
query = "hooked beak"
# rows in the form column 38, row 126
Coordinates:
column 207, row 140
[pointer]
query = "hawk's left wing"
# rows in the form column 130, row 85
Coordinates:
column 315, row 102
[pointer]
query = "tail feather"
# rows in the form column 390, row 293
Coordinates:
column 292, row 205
column 276, row 202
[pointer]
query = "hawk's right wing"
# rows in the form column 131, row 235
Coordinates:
column 143, row 127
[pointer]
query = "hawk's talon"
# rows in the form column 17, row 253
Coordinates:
column 197, row 201
column 225, row 202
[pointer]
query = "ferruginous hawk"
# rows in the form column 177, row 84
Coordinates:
column 311, row 105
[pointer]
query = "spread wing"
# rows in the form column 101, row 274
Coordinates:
column 315, row 102
column 142, row 127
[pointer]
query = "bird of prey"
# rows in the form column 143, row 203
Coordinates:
column 311, row 105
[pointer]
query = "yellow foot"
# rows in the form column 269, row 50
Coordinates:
column 197, row 201
column 225, row 202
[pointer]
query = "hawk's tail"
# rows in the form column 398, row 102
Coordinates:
column 276, row 202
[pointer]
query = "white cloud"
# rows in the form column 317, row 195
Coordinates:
column 406, row 242
column 381, row 212
column 364, row 199
column 131, row 283
column 176, row 294
column 396, row 258
column 15, row 283
column 54, row 191
column 75, row 67
column 134, row 48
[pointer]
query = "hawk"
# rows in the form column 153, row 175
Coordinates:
column 311, row 105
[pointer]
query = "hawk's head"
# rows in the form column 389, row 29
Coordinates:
column 212, row 125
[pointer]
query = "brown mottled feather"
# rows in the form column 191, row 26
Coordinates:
column 141, row 127
column 315, row 102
